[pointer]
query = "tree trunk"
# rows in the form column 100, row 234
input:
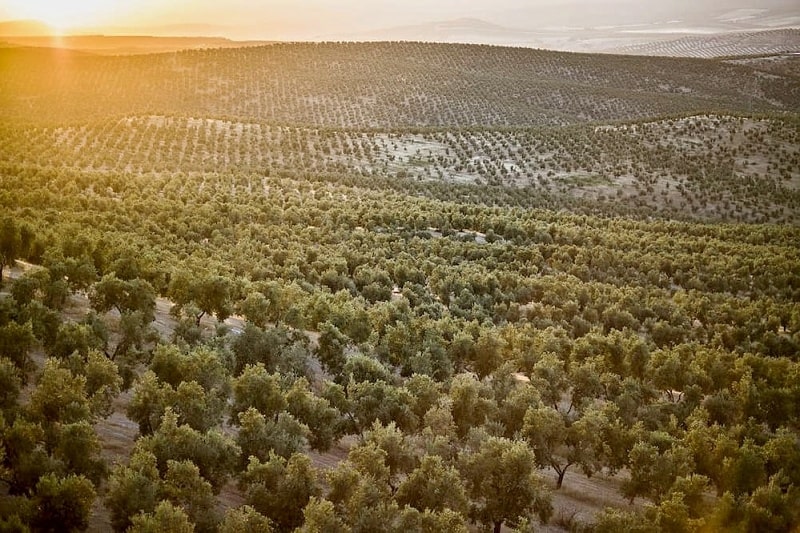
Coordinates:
column 498, row 526
column 561, row 471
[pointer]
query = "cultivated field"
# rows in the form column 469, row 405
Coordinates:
column 398, row 287
column 380, row 85
column 700, row 167
column 717, row 45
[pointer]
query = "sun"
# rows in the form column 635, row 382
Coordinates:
column 64, row 15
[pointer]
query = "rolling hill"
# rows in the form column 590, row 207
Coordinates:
column 382, row 85
column 300, row 285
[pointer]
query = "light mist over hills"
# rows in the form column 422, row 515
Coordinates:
column 575, row 25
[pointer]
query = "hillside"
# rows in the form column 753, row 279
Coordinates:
column 700, row 168
column 724, row 44
column 398, row 287
column 381, row 85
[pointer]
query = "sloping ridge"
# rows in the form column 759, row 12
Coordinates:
column 720, row 45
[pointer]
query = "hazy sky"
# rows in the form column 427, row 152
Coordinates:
column 310, row 18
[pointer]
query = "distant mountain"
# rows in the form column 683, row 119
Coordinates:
column 126, row 44
column 679, row 16
column 690, row 37
column 121, row 40
column 18, row 28
column 167, row 30
column 461, row 30
column 35, row 28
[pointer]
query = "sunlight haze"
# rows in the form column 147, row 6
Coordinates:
column 355, row 19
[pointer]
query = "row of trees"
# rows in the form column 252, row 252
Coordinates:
column 434, row 398
column 380, row 85
column 399, row 353
column 720, row 167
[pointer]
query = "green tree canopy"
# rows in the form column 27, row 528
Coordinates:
column 502, row 484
